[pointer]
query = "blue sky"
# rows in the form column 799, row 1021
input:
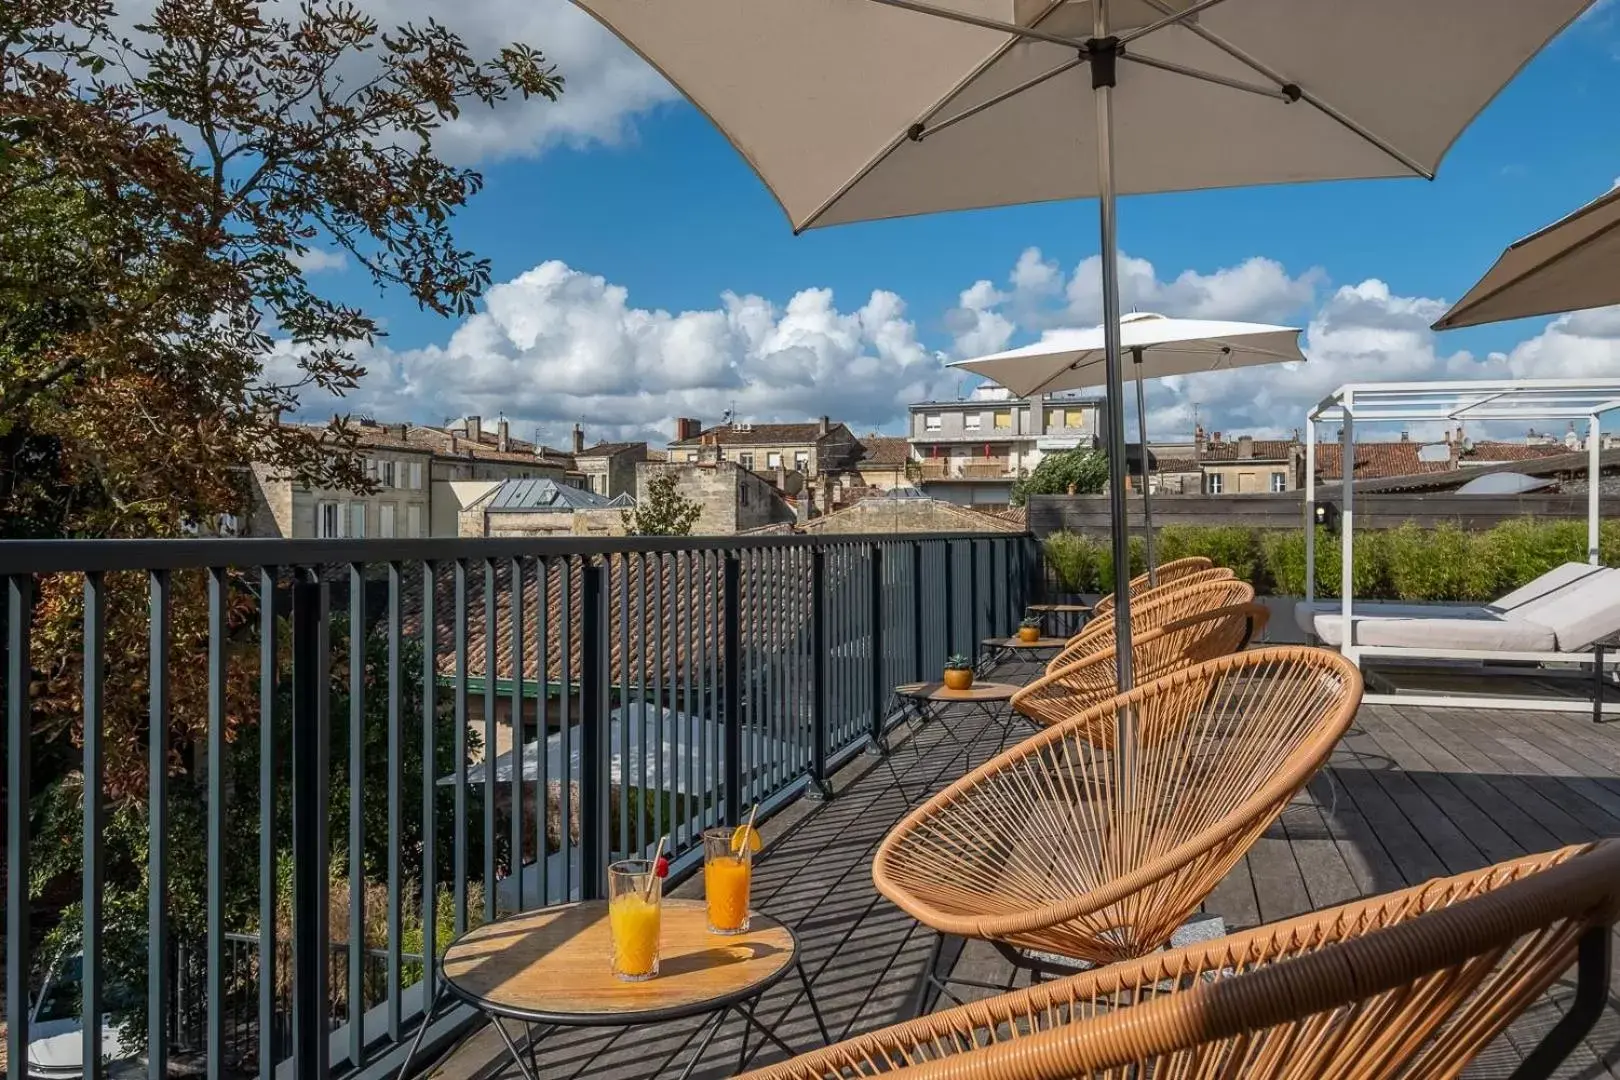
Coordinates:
column 625, row 187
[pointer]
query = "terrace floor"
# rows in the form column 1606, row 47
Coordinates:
column 1414, row 794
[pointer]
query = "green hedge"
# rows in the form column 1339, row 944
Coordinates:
column 1408, row 563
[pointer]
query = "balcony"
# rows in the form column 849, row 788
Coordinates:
column 278, row 796
column 762, row 665
column 978, row 468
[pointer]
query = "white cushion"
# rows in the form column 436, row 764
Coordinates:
column 1328, row 625
column 1474, row 635
column 1541, row 589
column 1314, row 615
column 1582, row 613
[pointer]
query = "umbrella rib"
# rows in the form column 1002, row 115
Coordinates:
column 982, row 23
column 1286, row 86
column 920, row 131
column 1278, row 93
column 1171, row 19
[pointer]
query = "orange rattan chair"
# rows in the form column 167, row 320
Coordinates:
column 1043, row 847
column 1141, row 591
column 1092, row 679
column 1155, row 609
column 1416, row 983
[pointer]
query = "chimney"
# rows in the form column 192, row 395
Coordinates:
column 824, row 426
column 687, row 428
column 503, row 433
column 579, row 439
column 475, row 428
column 1448, row 436
column 1406, row 436
column 1245, row 446
column 1215, row 439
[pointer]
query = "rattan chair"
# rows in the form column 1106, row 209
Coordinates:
column 1412, row 984
column 1155, row 609
column 1142, row 592
column 1043, row 847
column 1073, row 689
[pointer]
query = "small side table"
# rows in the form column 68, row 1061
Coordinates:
column 550, row 967
column 929, row 701
column 1003, row 650
column 1072, row 616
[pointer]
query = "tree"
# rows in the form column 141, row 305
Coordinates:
column 160, row 190
column 1082, row 469
column 663, row 511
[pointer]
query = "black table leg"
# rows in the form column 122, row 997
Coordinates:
column 815, row 1009
column 416, row 1043
column 714, row 1029
column 517, row 1058
column 1597, row 684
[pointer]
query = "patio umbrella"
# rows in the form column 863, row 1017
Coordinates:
column 1159, row 347
column 852, row 110
column 1570, row 265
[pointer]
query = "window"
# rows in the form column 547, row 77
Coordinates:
column 413, row 520
column 1279, row 481
column 1004, row 419
column 371, row 468
column 773, row 460
column 1054, row 418
column 742, row 494
column 973, row 421
column 801, row 460
column 1216, row 483
column 691, row 455
column 416, row 474
column 328, row 523
column 357, row 519
column 746, row 460
column 931, row 421
column 390, row 474
column 385, row 520
column 1074, row 418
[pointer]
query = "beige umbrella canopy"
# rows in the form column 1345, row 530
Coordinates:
column 1570, row 265
column 852, row 110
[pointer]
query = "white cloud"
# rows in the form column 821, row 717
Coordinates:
column 556, row 345
column 319, row 260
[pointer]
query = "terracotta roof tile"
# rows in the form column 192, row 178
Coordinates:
column 761, row 434
column 1264, row 450
column 1379, row 459
column 884, row 451
column 608, row 449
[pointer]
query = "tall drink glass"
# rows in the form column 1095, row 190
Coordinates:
column 635, row 904
column 727, row 868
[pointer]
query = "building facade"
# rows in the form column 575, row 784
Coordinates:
column 971, row 451
column 731, row 497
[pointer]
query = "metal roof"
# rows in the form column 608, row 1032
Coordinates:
column 544, row 494
column 1507, row 399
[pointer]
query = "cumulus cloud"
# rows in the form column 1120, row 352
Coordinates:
column 557, row 345
column 319, row 260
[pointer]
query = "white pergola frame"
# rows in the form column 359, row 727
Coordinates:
column 1516, row 400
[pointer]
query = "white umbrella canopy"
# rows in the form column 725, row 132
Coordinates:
column 845, row 107
column 1159, row 347
column 854, row 110
column 1570, row 265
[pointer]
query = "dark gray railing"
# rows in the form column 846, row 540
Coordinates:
column 340, row 714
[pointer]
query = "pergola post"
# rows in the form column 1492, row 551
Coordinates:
column 1594, row 480
column 1347, row 460
column 1310, row 508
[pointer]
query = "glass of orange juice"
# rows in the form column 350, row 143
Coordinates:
column 728, row 863
column 635, row 897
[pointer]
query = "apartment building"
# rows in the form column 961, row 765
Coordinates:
column 970, row 451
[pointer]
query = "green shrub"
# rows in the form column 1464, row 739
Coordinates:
column 1236, row 547
column 1409, row 563
column 1072, row 559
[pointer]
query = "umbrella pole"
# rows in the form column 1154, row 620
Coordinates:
column 1147, row 496
column 1104, row 50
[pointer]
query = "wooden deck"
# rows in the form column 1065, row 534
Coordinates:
column 1411, row 794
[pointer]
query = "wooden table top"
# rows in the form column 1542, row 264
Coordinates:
column 1067, row 608
column 1020, row 643
column 552, row 965
column 938, row 691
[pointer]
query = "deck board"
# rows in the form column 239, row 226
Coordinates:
column 1410, row 794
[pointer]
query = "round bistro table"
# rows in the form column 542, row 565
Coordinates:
column 551, row 967
column 1002, row 650
column 923, row 702
column 1073, row 616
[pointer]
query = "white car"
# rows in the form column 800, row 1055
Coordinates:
column 56, row 1034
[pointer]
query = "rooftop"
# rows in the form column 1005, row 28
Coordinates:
column 884, row 451
column 541, row 495
column 1410, row 795
column 744, row 434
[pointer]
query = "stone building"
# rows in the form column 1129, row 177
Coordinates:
column 609, row 468
column 812, row 450
column 733, row 499
column 541, row 508
column 400, row 507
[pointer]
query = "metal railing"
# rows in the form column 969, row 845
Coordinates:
column 370, row 746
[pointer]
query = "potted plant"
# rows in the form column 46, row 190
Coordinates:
column 958, row 672
column 1029, row 630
